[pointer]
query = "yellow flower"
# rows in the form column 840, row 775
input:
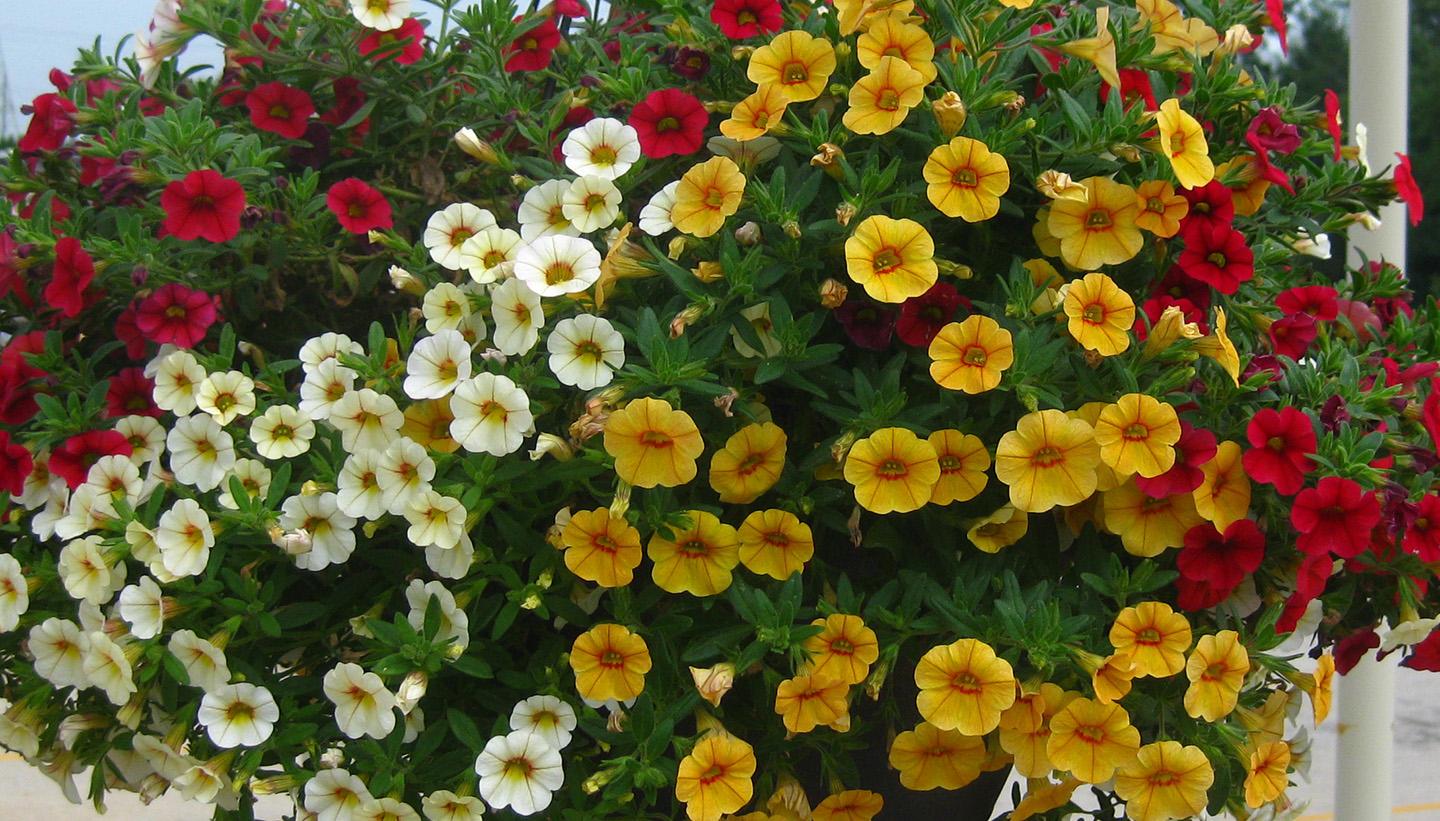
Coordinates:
column 1148, row 526
column 1048, row 460
column 930, row 758
column 755, row 115
column 1248, row 187
column 999, row 530
column 881, row 100
column 775, row 543
column 715, row 778
column 1218, row 347
column 971, row 355
column 1183, row 142
column 1223, row 496
column 1137, row 434
column 1174, row 33
column 1112, row 679
column 1161, row 209
column 1167, row 780
column 1025, row 729
column 698, row 559
column 856, row 15
column 749, row 464
column 1100, row 314
column 428, row 423
column 892, row 36
column 796, row 63
column 1089, row 739
column 653, row 444
column 1266, row 773
column 966, row 179
column 1267, row 723
column 850, row 805
column 1320, row 688
column 1216, row 670
column 601, row 549
column 708, row 193
column 892, row 470
column 1154, row 637
column 1167, row 330
column 1098, row 50
column 610, row 662
column 1048, row 243
column 808, row 701
column 1017, row 4
column 1100, row 230
column 843, row 650
column 963, row 462
column 964, row 686
column 1044, row 796
column 893, row 259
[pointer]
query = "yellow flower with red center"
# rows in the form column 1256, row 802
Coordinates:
column 427, row 423
column 1137, row 434
column 715, row 778
column 999, row 530
column 1098, row 50
column 859, row 15
column 653, row 444
column 850, row 805
column 966, row 179
column 1025, row 728
column 811, row 700
column 749, row 464
column 1048, row 460
column 1089, row 739
column 610, row 662
column 1266, row 773
column 1167, row 780
column 1100, row 314
column 971, row 355
column 696, row 559
column 892, row 36
column 1223, row 496
column 775, row 543
column 964, row 686
column 1182, row 141
column 1161, row 209
column 600, row 548
column 893, row 259
column 1099, row 230
column 1153, row 637
column 757, row 114
column 881, row 100
column 795, row 62
column 1247, row 186
column 892, row 470
column 963, row 461
column 1148, row 526
column 843, row 650
column 708, row 193
column 1216, row 669
column 930, row 758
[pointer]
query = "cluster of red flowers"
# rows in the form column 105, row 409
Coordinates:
column 1215, row 254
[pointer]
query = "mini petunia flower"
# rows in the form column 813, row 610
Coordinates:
column 404, row 44
column 332, row 537
column 1182, row 141
column 142, row 607
column 715, row 778
column 655, row 217
column 436, row 365
column 892, row 470
column 881, row 100
column 843, row 650
column 280, row 109
column 367, row 420
column 1137, row 435
column 811, row 700
column 1153, row 637
column 591, row 204
column 1090, row 739
column 796, row 62
column 363, row 707
column 359, row 207
column 923, row 317
column 600, row 548
column 1167, row 780
column 518, row 317
column 669, row 123
column 85, row 572
column 999, row 530
column 542, row 212
column 1148, row 526
column 1217, row 256
column 435, row 519
column 203, row 205
column 1222, row 560
column 964, row 686
column 963, row 462
column 1161, row 209
column 609, row 662
column 1266, row 773
column 930, row 758
column 893, row 259
column 557, row 264
column 707, row 194
column 1216, row 669
column 107, row 668
column 176, row 315
column 1335, row 516
column 1048, row 460
column 653, row 443
column 749, row 464
column 1100, row 314
column 547, row 716
column 775, row 543
column 757, row 114
column 201, row 453
column 1281, row 442
column 454, row 624
column 520, row 771
column 335, row 793
column 697, row 559
column 58, row 646
column 403, row 471
column 743, row 19
column 204, row 663
column 71, row 276
column 238, row 715
column 972, row 355
column 1101, row 229
column 443, row 805
column 381, row 15
column 14, row 593
column 1099, row 51
column 533, row 49
column 966, row 179
column 603, row 147
column 226, row 395
column 585, row 351
column 492, row 415
column 448, row 229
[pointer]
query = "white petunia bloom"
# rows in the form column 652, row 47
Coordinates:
column 1408, row 633
column 435, row 519
column 226, row 396
column 385, row 809
column 142, row 606
column 206, row 783
column 56, row 508
column 445, row 306
column 490, row 254
column 106, row 668
column 254, row 478
column 19, row 737
column 447, row 231
column 363, row 707
column 443, row 805
column 518, row 317
column 357, row 488
column 281, row 432
column 324, row 385
column 381, row 15
column 519, row 771
column 146, row 437
column 1317, row 246
column 238, row 715
column 655, row 216
column 325, row 347
column 41, row 485
column 144, row 549
column 546, row 716
column 177, row 378
column 58, row 646
column 204, row 663
column 201, row 453
column 86, row 574
column 604, row 147
column 591, row 203
column 437, row 364
column 453, row 563
column 184, row 537
column 150, row 53
column 492, row 415
column 558, row 265
column 542, row 212
column 89, row 508
column 454, row 624
column 332, row 535
column 585, row 351
column 404, row 472
column 14, row 593
column 161, row 757
column 366, row 420
column 334, row 795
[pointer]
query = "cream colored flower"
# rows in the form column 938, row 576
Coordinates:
column 363, row 707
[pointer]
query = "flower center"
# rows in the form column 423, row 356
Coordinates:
column 175, row 312
column 777, row 539
column 1136, row 432
column 892, row 468
column 1149, row 636
column 1048, row 456
column 694, row 548
column 493, row 411
column 282, row 432
column 966, row 682
column 239, row 709
column 460, row 234
column 710, row 776
column 518, row 768
column 1090, row 734
column 1217, row 258
column 750, row 463
column 1275, row 443
column 1094, row 313
column 964, row 177
column 893, row 50
column 280, row 111
column 842, row 647
column 559, row 272
column 950, row 463
column 888, row 100
column 1164, row 778
column 603, row 155
column 975, row 356
column 656, row 439
column 224, row 402
column 611, row 658
column 595, row 202
column 746, row 18
column 887, row 260
column 667, row 124
column 604, row 543
column 1155, row 204
column 1098, row 218
column 714, row 198
column 794, row 73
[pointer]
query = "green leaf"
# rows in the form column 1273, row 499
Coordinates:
column 465, row 730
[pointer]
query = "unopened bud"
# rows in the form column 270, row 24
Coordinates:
column 749, row 234
column 741, row 53
column 833, row 293
column 556, row 446
column 1237, row 39
column 827, row 158
column 708, row 271
column 949, row 113
column 1058, row 185
column 845, row 212
column 791, row 229
column 411, row 690
column 471, row 144
column 620, row 505
column 685, row 319
column 1126, row 152
column 405, row 281
column 714, row 682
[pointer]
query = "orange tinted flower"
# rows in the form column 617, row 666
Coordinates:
column 653, row 444
column 699, row 557
column 749, row 464
column 1100, row 314
column 601, row 549
column 971, row 355
column 881, row 100
column 755, row 115
column 1137, row 434
column 1161, row 209
column 775, row 543
column 1247, row 186
column 893, row 259
column 850, row 805
column 892, row 36
column 808, row 701
column 1101, row 229
column 963, row 461
column 428, row 423
column 610, row 662
column 1048, row 460
column 716, row 777
column 844, row 649
column 1025, row 729
column 1148, row 526
column 1154, row 637
column 966, row 179
column 1224, row 494
column 999, row 530
column 1167, row 780
column 892, row 470
column 964, row 686
column 796, row 63
column 1182, row 141
column 1090, row 739
column 1098, row 50
column 930, row 758
column 707, row 194
column 1267, row 773
column 1216, row 669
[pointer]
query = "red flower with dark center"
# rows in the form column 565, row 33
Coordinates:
column 404, row 45
column 15, row 465
column 1269, row 132
column 1332, row 120
column 1134, row 87
column 1293, row 335
column 1422, row 537
column 1212, row 204
column 72, row 459
column 176, row 314
column 1193, row 450
column 669, row 122
column 279, row 109
column 204, row 205
column 1217, row 256
column 1192, row 595
column 130, row 394
column 690, row 62
column 52, row 120
column 1318, row 301
column 1408, row 189
column 1179, row 287
column 1275, row 9
column 1221, row 560
column 922, row 317
column 869, row 325
column 743, row 19
column 72, row 274
column 532, row 50
column 1335, row 516
column 359, row 207
column 1281, row 442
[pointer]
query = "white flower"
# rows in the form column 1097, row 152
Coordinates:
column 751, row 152
column 238, row 715
column 89, row 508
column 453, row 563
column 332, row 538
column 106, row 668
column 116, row 477
column 443, row 805
column 558, row 265
column 324, row 385
column 491, row 413
column 381, row 15
column 518, row 317
column 414, row 721
column 201, row 453
column 759, row 317
column 435, row 519
column 447, row 231
column 1313, row 246
column 603, row 147
column 176, row 379
column 41, row 486
column 334, row 795
column 160, row 756
column 204, row 783
column 150, row 54
column 146, row 437
column 1362, row 142
column 143, row 607
column 58, row 646
column 327, row 346
column 18, row 737
column 386, row 809
column 281, row 432
column 144, row 549
column 591, row 203
column 43, row 524
column 471, row 144
column 366, row 420
column 655, row 216
column 585, row 351
column 445, row 306
column 404, row 471
column 254, row 478
column 357, row 488
column 436, row 364
column 86, row 574
column 542, row 212
column 204, row 663
column 363, row 707
column 185, row 538
column 546, row 716
column 14, row 593
column 226, row 395
column 490, row 254
column 1408, row 633
column 519, row 771
column 454, row 624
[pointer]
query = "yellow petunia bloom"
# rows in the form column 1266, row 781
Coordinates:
column 1043, row 796
column 795, row 62
column 963, row 462
column 1100, row 314
column 1218, row 347
column 1223, row 497
column 1098, row 50
column 600, row 548
column 1172, row 32
column 775, row 543
column 653, row 444
column 1048, row 460
column 881, row 100
column 999, row 530
column 964, row 686
column 1319, row 688
column 1161, row 209
column 1148, row 526
column 1100, row 230
column 1266, row 773
column 971, row 355
column 858, row 15
column 1216, row 669
column 1112, row 678
column 844, row 649
column 708, row 193
column 716, row 777
column 809, row 700
column 756, row 115
column 1182, row 140
column 1048, row 243
column 1170, row 328
column 1167, row 780
column 428, row 424
column 1137, row 434
column 749, row 464
column 893, row 259
column 850, row 805
column 892, row 470
column 1247, row 186
column 930, row 758
column 966, row 179
column 1025, row 729
column 1105, row 477
column 1017, row 4
column 1153, row 636
column 1089, row 740
column 892, row 36
column 698, row 559
column 610, row 662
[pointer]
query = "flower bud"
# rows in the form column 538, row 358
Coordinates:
column 685, row 319
column 954, row 269
column 833, row 293
column 1058, row 185
column 845, row 212
column 620, row 505
column 741, row 54
column 554, row 445
column 827, row 158
column 471, row 144
column 749, row 234
column 714, row 682
column 708, row 272
column 1126, row 152
column 411, row 690
column 791, row 229
column 405, row 281
column 1237, row 39
column 597, row 782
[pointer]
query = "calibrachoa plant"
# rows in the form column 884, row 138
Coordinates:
column 724, row 409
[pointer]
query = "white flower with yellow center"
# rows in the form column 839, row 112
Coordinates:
column 324, row 385
column 177, row 377
column 86, row 574
column 385, row 809
column 585, row 351
column 443, row 805
column 655, row 216
column 591, row 203
column 546, row 716
column 363, row 707
column 204, row 784
column 404, row 472
column 146, row 437
column 366, row 420
column 518, row 317
column 453, row 563
column 142, row 606
column 604, row 147
column 14, row 593
column 254, row 479
column 357, row 488
column 490, row 254
column 542, row 212
column 226, row 396
column 559, row 265
column 519, row 771
column 117, row 477
column 184, row 537
column 325, row 347
column 334, row 795
column 161, row 757
column 143, row 548
column 88, row 508
column 492, row 415
column 204, row 663
column 454, row 624
column 435, row 519
column 41, row 485
column 58, row 646
column 201, row 453
column 281, row 432
column 381, row 15
column 436, row 365
column 106, row 668
column 238, row 715
column 445, row 306
column 332, row 534
column 447, row 231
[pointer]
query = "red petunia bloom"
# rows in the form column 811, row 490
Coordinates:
column 869, row 325
column 1422, row 537
column 922, row 317
column 280, row 109
column 1193, row 450
column 1181, row 289
column 1410, row 376
column 1219, row 559
column 204, row 205
column 71, row 461
column 177, row 315
column 1332, row 120
column 129, row 394
column 387, row 45
column 532, row 50
column 1354, row 647
column 743, row 19
column 669, row 122
column 10, row 278
column 15, row 465
column 1335, row 516
column 51, row 122
column 1269, row 132
column 128, row 332
column 1192, row 595
column 359, row 207
column 1425, row 655
column 1408, row 189
column 1275, row 9
column 1135, row 87
column 1217, row 256
column 1281, row 442
column 1212, row 204
column 1318, row 301
column 72, row 274
column 1293, row 335
column 570, row 8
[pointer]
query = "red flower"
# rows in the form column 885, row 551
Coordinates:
column 1268, row 132
column 128, row 332
column 531, row 51
column 177, row 315
column 869, row 325
column 73, row 273
column 1272, row 172
column 15, row 465
column 1195, row 447
column 1318, row 301
column 1181, row 289
column 1332, row 120
column 10, row 279
column 1221, row 560
column 1212, row 204
column 359, row 207
column 1313, row 574
column 922, row 317
column 50, row 124
column 689, row 62
column 1335, row 516
column 1276, row 11
column 570, row 8
column 72, row 459
column 1422, row 537
column 129, row 394
column 1295, row 607
column 1281, row 442
column 1407, row 188
column 1292, row 335
column 669, row 122
column 1193, row 595
column 743, row 19
column 1409, row 376
column 204, row 205
column 387, row 45
column 1425, row 655
column 279, row 109
column 1218, row 256
column 1134, row 87
column 349, row 100
column 1354, row 647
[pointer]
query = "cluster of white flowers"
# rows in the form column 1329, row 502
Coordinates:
column 522, row 769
